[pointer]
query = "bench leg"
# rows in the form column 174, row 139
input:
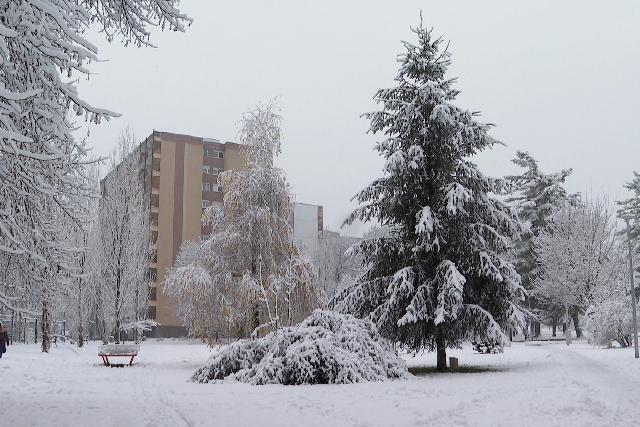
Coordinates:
column 131, row 361
column 105, row 360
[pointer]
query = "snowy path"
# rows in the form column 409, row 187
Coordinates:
column 528, row 385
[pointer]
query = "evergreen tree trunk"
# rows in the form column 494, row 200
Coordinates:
column 441, row 351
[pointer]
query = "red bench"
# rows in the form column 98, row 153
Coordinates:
column 118, row 350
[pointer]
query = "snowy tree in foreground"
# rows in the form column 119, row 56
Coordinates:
column 124, row 236
column 535, row 194
column 42, row 171
column 247, row 272
column 442, row 276
column 578, row 257
column 43, row 46
column 326, row 348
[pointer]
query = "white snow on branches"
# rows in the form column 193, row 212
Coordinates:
column 450, row 295
column 326, row 348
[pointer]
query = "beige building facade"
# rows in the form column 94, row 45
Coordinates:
column 181, row 179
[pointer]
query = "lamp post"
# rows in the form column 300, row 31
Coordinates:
column 628, row 218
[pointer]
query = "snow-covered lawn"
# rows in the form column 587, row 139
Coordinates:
column 533, row 384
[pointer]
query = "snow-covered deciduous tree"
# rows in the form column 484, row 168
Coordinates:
column 535, row 194
column 577, row 255
column 125, row 239
column 248, row 271
column 44, row 51
column 442, row 276
column 44, row 47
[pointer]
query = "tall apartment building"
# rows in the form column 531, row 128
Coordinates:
column 180, row 175
column 181, row 178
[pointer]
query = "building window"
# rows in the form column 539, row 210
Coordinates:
column 153, row 274
column 210, row 170
column 206, row 186
column 206, row 204
column 152, row 313
column 215, row 154
column 155, row 200
column 215, row 188
column 152, row 293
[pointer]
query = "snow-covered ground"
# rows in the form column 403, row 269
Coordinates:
column 532, row 384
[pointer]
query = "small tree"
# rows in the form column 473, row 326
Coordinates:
column 442, row 275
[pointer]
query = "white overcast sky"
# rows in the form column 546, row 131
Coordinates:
column 560, row 79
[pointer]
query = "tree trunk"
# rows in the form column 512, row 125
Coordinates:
column 567, row 319
column 46, row 335
column 574, row 317
column 536, row 329
column 441, row 351
column 553, row 330
column 117, row 331
column 256, row 316
column 80, row 329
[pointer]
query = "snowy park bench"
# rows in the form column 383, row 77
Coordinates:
column 118, row 350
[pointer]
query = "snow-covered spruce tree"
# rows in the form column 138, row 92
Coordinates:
column 125, row 249
column 631, row 206
column 247, row 272
column 442, row 276
column 535, row 194
column 577, row 257
column 325, row 348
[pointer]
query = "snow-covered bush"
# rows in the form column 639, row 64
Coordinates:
column 611, row 320
column 326, row 348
